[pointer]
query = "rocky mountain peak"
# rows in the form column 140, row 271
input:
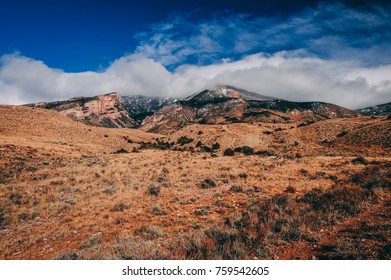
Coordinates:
column 222, row 93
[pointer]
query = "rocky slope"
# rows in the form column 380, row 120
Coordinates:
column 103, row 110
column 377, row 110
column 139, row 106
column 225, row 104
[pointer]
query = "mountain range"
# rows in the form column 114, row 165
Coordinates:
column 220, row 105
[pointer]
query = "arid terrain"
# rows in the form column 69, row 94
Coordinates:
column 247, row 190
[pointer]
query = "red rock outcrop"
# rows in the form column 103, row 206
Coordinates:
column 103, row 110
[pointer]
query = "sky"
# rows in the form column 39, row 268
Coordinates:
column 338, row 52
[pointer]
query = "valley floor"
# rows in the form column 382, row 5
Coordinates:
column 156, row 198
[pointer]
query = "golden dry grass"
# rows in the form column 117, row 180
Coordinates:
column 63, row 187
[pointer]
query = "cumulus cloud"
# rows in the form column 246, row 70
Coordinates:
column 288, row 76
column 24, row 80
column 285, row 75
column 332, row 53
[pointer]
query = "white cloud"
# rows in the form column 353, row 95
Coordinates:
column 287, row 75
column 24, row 80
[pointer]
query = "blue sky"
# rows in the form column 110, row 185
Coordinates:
column 337, row 52
column 86, row 35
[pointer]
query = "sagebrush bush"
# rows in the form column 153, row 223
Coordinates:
column 153, row 190
column 229, row 152
column 207, row 183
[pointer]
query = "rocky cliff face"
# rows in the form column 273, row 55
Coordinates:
column 169, row 118
column 139, row 107
column 225, row 104
column 104, row 110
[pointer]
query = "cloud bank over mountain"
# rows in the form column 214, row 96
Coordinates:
column 332, row 53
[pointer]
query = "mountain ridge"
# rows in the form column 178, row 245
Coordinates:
column 221, row 104
column 226, row 104
column 376, row 110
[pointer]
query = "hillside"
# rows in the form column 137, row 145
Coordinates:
column 333, row 137
column 31, row 126
column 377, row 110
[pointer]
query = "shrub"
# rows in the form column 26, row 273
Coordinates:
column 303, row 172
column 157, row 211
column 343, row 133
column 248, row 150
column 265, row 153
column 184, row 140
column 121, row 151
column 207, row 184
column 306, row 123
column 2, row 218
column 148, row 233
column 23, row 216
column 68, row 256
column 236, row 189
column 360, row 160
column 229, row 152
column 16, row 198
column 92, row 241
column 153, row 190
column 290, row 189
column 206, row 149
column 119, row 207
column 216, row 146
column 201, row 211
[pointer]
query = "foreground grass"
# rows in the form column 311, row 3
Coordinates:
column 270, row 227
